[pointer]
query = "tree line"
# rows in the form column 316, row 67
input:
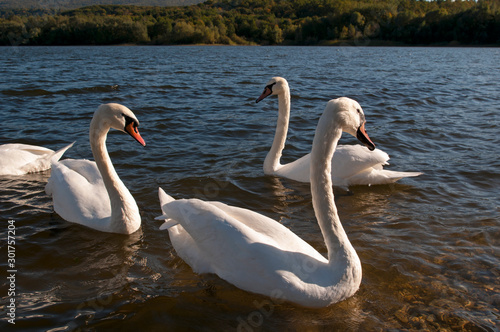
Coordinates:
column 263, row 22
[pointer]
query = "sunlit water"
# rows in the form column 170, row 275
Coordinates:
column 429, row 246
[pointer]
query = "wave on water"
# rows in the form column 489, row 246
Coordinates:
column 428, row 245
column 72, row 91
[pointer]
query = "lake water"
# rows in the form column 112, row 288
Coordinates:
column 429, row 246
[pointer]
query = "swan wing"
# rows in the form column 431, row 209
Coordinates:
column 211, row 240
column 78, row 192
column 297, row 170
column 351, row 165
column 356, row 165
column 37, row 150
column 218, row 238
column 19, row 159
column 379, row 176
column 59, row 153
column 349, row 160
column 268, row 230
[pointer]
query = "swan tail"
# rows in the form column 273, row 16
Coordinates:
column 56, row 176
column 164, row 197
column 59, row 153
column 48, row 188
column 168, row 224
column 395, row 175
column 379, row 176
column 60, row 173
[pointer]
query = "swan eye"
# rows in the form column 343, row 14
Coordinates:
column 361, row 115
column 129, row 121
column 270, row 86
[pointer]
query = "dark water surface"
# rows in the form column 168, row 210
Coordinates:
column 429, row 246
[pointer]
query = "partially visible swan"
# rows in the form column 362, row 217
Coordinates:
column 91, row 193
column 352, row 164
column 20, row 159
column 258, row 254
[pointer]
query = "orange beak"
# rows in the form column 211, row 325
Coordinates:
column 363, row 137
column 267, row 92
column 131, row 128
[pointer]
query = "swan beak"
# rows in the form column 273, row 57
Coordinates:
column 364, row 138
column 267, row 91
column 131, row 128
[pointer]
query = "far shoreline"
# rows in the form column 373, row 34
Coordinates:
column 329, row 43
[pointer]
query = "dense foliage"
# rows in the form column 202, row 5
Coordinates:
column 289, row 22
column 72, row 4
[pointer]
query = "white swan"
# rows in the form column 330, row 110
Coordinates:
column 352, row 164
column 258, row 254
column 20, row 159
column 91, row 193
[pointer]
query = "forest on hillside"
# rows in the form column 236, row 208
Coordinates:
column 54, row 5
column 262, row 22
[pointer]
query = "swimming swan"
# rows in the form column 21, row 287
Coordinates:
column 91, row 193
column 352, row 164
column 20, row 159
column 258, row 254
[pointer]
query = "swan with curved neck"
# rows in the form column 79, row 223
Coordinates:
column 258, row 254
column 91, row 193
column 353, row 164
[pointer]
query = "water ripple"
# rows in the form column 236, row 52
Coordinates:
column 429, row 245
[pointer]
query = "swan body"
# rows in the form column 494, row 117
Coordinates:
column 20, row 159
column 352, row 164
column 91, row 193
column 258, row 254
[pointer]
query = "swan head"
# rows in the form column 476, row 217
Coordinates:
column 118, row 117
column 275, row 86
column 351, row 118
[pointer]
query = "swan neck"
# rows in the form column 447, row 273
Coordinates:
column 272, row 161
column 124, row 211
column 325, row 142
